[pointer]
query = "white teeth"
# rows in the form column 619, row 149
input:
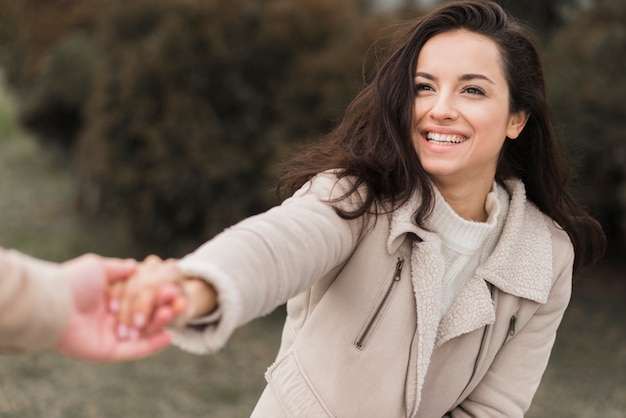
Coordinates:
column 444, row 139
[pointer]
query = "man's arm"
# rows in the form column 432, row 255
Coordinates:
column 64, row 307
column 35, row 303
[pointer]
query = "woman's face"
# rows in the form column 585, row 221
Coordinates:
column 462, row 115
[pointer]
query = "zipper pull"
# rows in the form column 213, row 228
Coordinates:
column 399, row 265
column 512, row 322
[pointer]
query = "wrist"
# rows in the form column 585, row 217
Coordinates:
column 201, row 298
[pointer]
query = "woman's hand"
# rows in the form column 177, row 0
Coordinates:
column 157, row 295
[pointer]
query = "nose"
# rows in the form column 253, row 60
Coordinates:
column 443, row 108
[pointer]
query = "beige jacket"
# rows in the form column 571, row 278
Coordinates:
column 363, row 337
column 35, row 303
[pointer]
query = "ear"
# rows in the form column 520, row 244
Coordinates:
column 516, row 123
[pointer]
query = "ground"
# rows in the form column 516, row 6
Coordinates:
column 586, row 376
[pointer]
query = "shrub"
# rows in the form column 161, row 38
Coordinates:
column 46, row 53
column 193, row 102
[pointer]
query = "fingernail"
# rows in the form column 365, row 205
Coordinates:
column 133, row 334
column 122, row 331
column 139, row 319
column 114, row 305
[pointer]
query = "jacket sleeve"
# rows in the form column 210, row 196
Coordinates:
column 263, row 261
column 34, row 303
column 509, row 385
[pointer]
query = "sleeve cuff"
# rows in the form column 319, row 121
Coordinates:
column 210, row 333
column 212, row 318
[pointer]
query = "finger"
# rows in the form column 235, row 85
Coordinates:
column 129, row 316
column 140, row 289
column 168, row 294
column 162, row 317
column 146, row 303
column 175, row 298
column 133, row 350
column 127, row 292
column 152, row 259
column 115, row 294
column 179, row 305
column 170, row 303
column 140, row 297
column 117, row 269
column 125, row 305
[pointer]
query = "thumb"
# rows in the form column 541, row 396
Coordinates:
column 116, row 269
column 88, row 276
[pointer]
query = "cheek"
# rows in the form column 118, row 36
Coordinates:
column 420, row 107
column 490, row 121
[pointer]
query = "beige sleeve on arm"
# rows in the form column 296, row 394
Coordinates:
column 264, row 260
column 35, row 303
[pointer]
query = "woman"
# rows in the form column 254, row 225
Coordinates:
column 427, row 250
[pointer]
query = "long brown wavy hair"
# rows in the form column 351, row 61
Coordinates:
column 373, row 145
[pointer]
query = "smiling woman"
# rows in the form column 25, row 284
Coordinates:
column 462, row 117
column 425, row 251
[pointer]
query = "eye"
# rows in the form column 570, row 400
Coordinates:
column 421, row 87
column 474, row 90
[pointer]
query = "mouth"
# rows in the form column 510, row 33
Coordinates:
column 444, row 139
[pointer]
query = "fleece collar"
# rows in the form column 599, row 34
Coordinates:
column 521, row 263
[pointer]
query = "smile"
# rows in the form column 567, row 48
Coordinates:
column 444, row 139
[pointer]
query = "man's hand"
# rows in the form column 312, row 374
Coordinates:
column 90, row 333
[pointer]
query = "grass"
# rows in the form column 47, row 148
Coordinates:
column 9, row 127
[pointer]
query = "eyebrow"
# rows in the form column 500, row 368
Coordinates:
column 464, row 77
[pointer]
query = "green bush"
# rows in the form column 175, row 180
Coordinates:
column 193, row 104
column 47, row 55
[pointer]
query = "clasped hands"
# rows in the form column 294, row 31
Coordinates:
column 157, row 295
column 121, row 307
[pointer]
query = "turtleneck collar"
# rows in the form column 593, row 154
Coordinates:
column 462, row 235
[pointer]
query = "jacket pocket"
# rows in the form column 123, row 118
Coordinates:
column 292, row 390
column 382, row 302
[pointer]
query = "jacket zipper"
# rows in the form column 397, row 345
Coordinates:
column 483, row 340
column 360, row 341
column 411, row 368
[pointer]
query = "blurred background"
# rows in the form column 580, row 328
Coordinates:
column 130, row 127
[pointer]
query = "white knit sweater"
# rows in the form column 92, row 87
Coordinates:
column 465, row 244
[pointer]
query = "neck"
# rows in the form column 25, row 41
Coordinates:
column 467, row 200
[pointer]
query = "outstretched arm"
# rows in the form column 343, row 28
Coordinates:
column 34, row 303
